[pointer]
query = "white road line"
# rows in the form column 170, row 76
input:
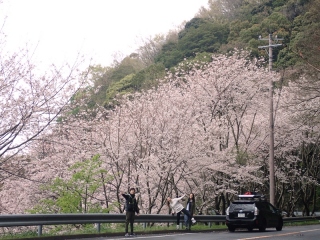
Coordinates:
column 280, row 235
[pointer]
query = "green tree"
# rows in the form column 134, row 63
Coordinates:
column 78, row 193
column 202, row 36
column 199, row 35
column 224, row 9
column 148, row 77
column 306, row 37
column 144, row 79
column 150, row 49
column 122, row 87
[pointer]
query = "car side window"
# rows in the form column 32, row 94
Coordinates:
column 261, row 206
column 272, row 209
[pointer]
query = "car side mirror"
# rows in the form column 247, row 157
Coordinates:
column 283, row 213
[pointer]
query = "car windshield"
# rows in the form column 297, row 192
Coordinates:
column 242, row 206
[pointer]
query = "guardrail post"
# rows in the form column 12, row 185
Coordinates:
column 210, row 224
column 144, row 225
column 39, row 230
column 98, row 226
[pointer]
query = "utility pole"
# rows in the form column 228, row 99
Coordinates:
column 271, row 147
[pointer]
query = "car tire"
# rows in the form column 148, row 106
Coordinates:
column 231, row 228
column 280, row 225
column 262, row 226
column 250, row 229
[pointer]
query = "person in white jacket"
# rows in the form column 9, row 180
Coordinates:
column 177, row 207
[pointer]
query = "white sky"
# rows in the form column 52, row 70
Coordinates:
column 96, row 28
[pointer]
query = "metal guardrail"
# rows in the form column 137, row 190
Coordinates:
column 300, row 219
column 98, row 218
column 58, row 219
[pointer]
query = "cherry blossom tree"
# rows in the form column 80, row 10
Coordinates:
column 29, row 101
column 232, row 96
column 203, row 130
column 297, row 151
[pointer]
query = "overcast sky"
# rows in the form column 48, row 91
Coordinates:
column 96, row 28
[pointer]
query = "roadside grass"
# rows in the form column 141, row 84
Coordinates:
column 302, row 223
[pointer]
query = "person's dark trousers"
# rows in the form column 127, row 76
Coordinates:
column 178, row 218
column 129, row 219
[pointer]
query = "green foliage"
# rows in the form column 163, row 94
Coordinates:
column 191, row 25
column 203, row 57
column 198, row 61
column 242, row 156
column 278, row 3
column 286, row 58
column 129, row 65
column 207, row 37
column 306, row 36
column 144, row 79
column 170, row 55
column 235, row 28
column 226, row 25
column 275, row 22
column 75, row 195
column 248, row 34
column 103, row 78
column 121, row 87
column 148, row 77
column 199, row 35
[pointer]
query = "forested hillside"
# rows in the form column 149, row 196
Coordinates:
column 225, row 25
column 188, row 112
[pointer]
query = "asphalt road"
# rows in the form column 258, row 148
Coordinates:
column 309, row 232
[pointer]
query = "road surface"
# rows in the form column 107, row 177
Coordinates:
column 288, row 233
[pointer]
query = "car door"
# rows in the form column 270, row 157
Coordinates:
column 265, row 213
column 274, row 216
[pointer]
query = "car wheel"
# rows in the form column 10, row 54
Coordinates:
column 250, row 229
column 280, row 224
column 263, row 225
column 231, row 228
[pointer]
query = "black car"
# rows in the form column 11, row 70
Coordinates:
column 253, row 211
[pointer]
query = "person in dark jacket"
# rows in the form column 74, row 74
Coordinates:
column 131, row 208
column 191, row 208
